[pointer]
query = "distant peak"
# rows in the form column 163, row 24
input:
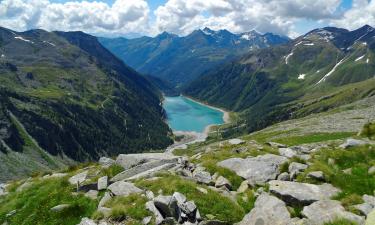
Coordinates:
column 165, row 34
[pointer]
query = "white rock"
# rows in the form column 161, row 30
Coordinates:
column 106, row 198
column 106, row 162
column 93, row 194
column 87, row 221
column 60, row 208
column 122, row 188
column 78, row 178
column 350, row 142
column 287, row 152
column 103, row 183
column 223, row 182
column 236, row 141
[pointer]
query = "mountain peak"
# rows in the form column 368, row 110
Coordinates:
column 166, row 35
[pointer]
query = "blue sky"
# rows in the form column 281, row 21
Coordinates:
column 150, row 17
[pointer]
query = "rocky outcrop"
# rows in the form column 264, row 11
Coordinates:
column 325, row 211
column 106, row 162
column 268, row 210
column 122, row 188
column 257, row 170
column 294, row 193
column 130, row 160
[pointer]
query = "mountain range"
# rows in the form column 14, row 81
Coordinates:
column 315, row 72
column 179, row 60
column 66, row 98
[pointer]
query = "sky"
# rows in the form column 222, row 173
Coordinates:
column 151, row 17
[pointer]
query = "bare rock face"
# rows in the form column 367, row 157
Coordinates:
column 325, row 211
column 106, row 162
column 122, row 188
column 257, row 170
column 130, row 160
column 268, row 210
column 294, row 193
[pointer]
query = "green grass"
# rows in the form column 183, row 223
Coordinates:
column 340, row 222
column 33, row 205
column 313, row 138
column 132, row 206
column 353, row 185
column 211, row 203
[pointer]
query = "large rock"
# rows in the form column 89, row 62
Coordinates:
column 106, row 162
column 287, row 152
column 78, row 178
column 167, row 206
column 257, row 170
column 130, row 160
column 325, row 211
column 152, row 208
column 236, row 141
column 268, row 210
column 370, row 218
column 364, row 208
column 294, row 193
column 141, row 168
column 122, row 188
column 350, row 142
column 106, row 198
column 202, row 176
column 317, row 175
column 369, row 199
column 102, row 183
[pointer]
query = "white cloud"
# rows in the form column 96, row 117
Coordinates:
column 124, row 16
column 362, row 12
column 180, row 16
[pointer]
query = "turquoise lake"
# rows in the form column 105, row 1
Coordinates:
column 187, row 115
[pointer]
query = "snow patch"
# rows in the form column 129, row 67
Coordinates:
column 309, row 44
column 192, row 51
column 318, row 71
column 298, row 43
column 23, row 39
column 50, row 43
column 368, row 60
column 359, row 58
column 2, row 56
column 287, row 57
column 301, row 76
column 246, row 37
column 332, row 71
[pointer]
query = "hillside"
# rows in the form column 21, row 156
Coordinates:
column 65, row 98
column 323, row 69
column 179, row 60
column 318, row 170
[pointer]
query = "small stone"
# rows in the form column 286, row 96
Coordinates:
column 78, row 178
column 347, row 171
column 106, row 198
column 284, row 176
column 203, row 177
column 87, row 221
column 243, row 187
column 147, row 220
column 202, row 190
column 93, row 194
column 236, row 141
column 364, row 208
column 350, row 142
column 369, row 199
column 296, row 168
column 60, row 208
column 150, row 195
column 106, row 162
column 223, row 182
column 371, row 170
column 331, row 161
column 318, row 175
column 103, row 183
column 276, row 145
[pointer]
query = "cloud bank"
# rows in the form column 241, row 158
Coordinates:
column 181, row 16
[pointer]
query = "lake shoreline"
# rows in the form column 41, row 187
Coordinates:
column 192, row 137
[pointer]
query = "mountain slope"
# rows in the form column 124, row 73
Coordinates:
column 312, row 73
column 75, row 101
column 181, row 59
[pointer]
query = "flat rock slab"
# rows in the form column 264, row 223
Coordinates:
column 236, row 141
column 78, row 178
column 325, row 211
column 122, row 188
column 268, row 210
column 130, row 160
column 294, row 193
column 257, row 170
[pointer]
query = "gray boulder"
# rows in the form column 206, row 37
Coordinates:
column 102, row 183
column 122, row 188
column 236, row 141
column 350, row 142
column 294, row 193
column 287, row 152
column 78, row 178
column 369, row 199
column 150, row 206
column 257, row 170
column 317, row 175
column 213, row 222
column 364, row 208
column 130, row 160
column 106, row 162
column 276, row 145
column 3, row 190
column 106, row 198
column 370, row 220
column 93, row 194
column 201, row 176
column 243, row 187
column 284, row 176
column 296, row 168
column 267, row 210
column 188, row 208
column 167, row 206
column 325, row 211
column 144, row 169
column 180, row 198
